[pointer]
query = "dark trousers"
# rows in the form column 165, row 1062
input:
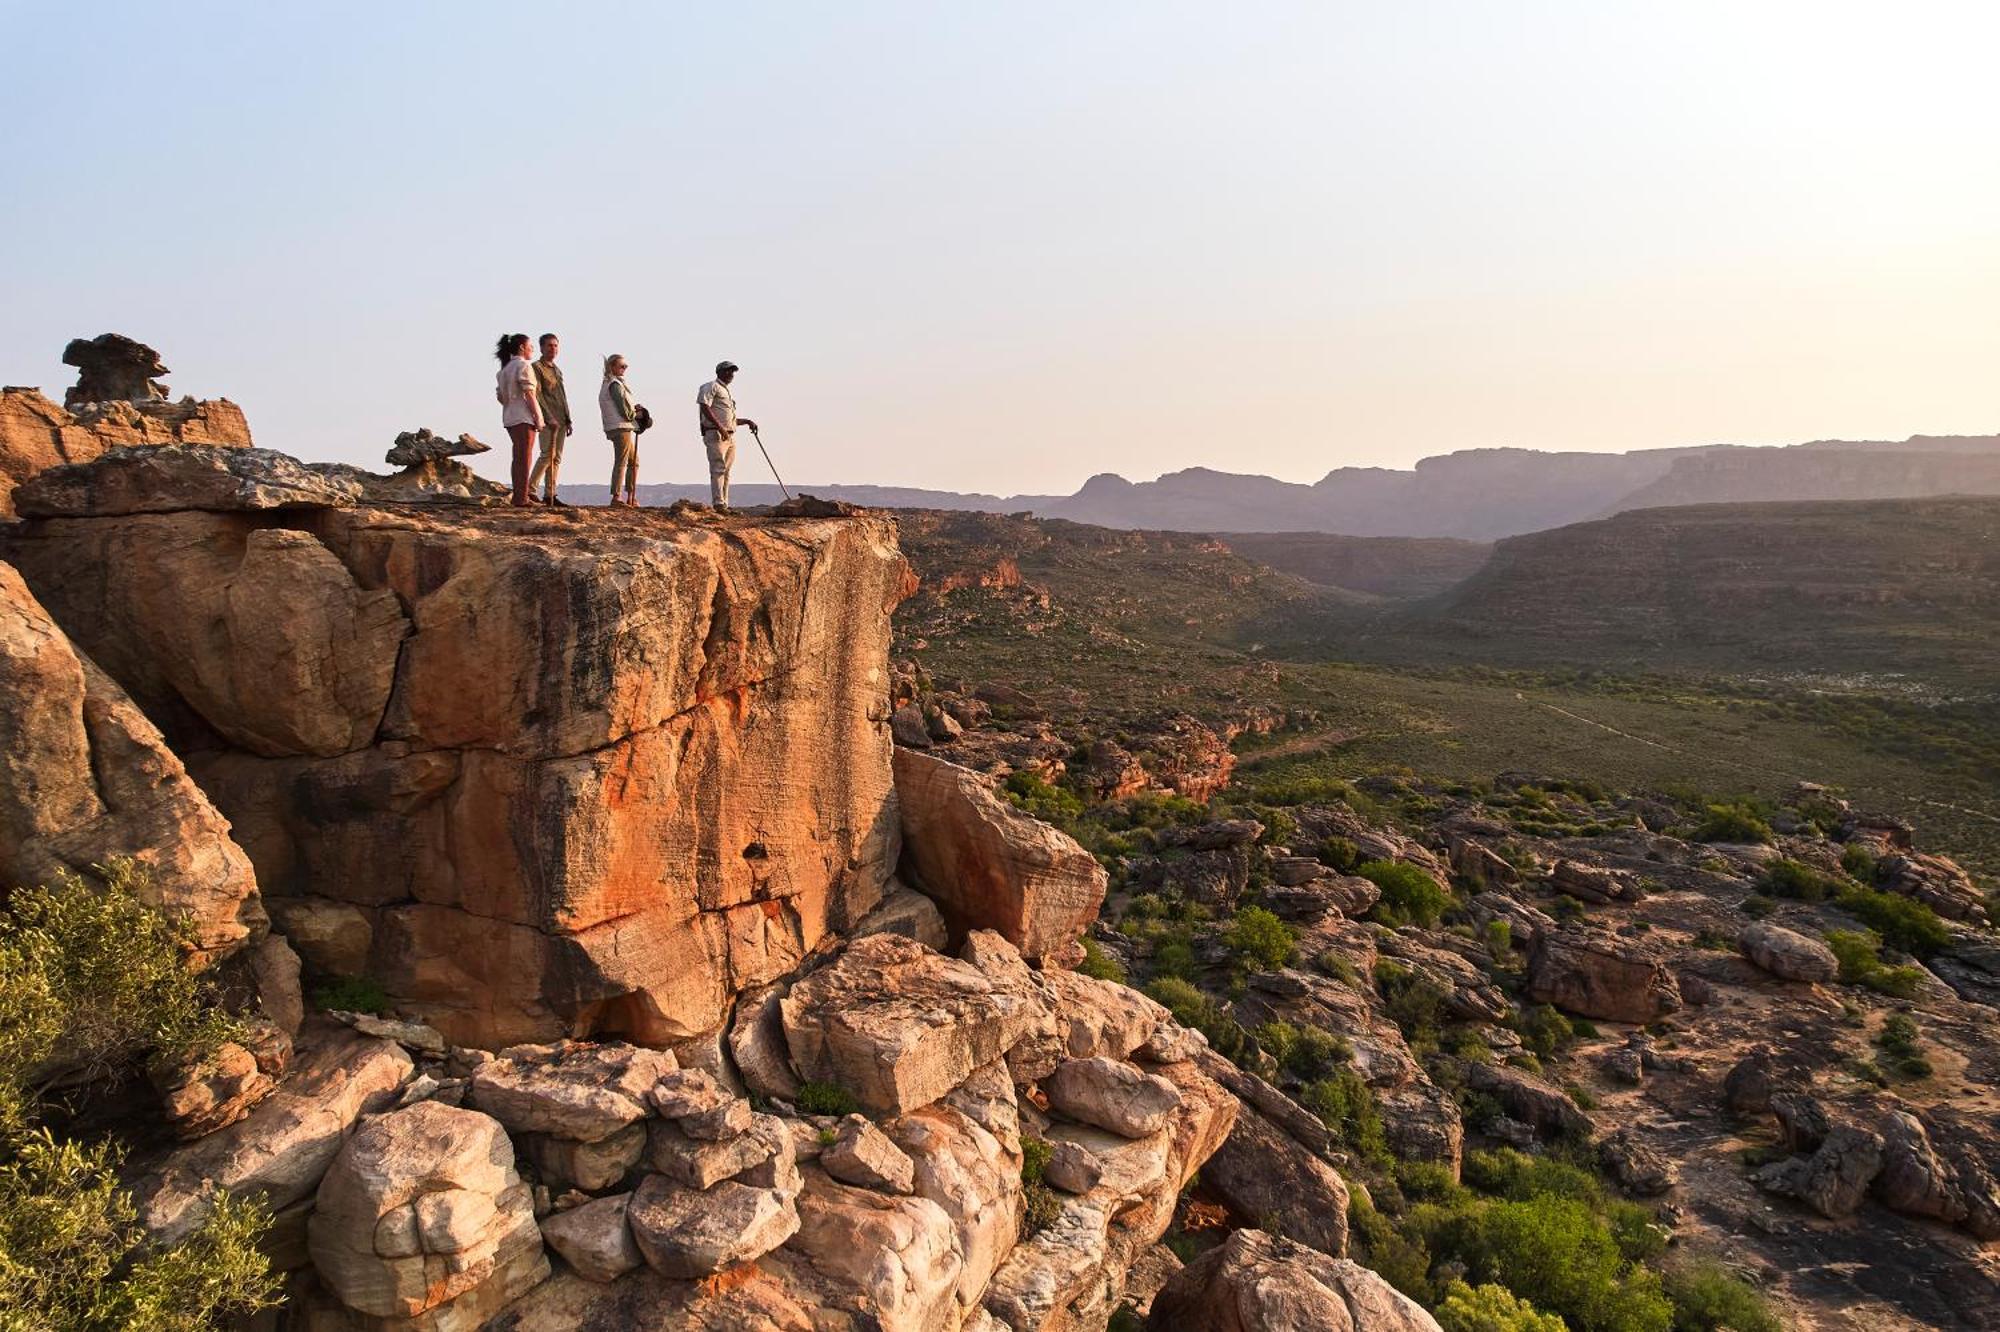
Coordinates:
column 524, row 452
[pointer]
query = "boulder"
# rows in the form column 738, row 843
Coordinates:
column 700, row 1163
column 126, row 481
column 36, row 434
column 896, row 1255
column 1751, row 1080
column 864, row 1156
column 423, row 445
column 1638, row 1168
column 757, row 1043
column 899, row 1025
column 1835, row 1178
column 1074, row 1168
column 332, row 938
column 571, row 1090
column 906, row 724
column 86, row 779
column 1915, row 1180
column 113, row 368
column 1601, row 975
column 214, row 1092
column 594, row 1239
column 691, row 1233
column 421, row 1208
column 1528, row 1098
column 987, row 864
column 565, row 1163
column 1266, row 1178
column 908, row 913
column 1113, row 1095
column 700, row 1105
column 1254, row 1282
column 1592, row 883
column 1100, row 1017
column 1788, row 954
column 1939, row 882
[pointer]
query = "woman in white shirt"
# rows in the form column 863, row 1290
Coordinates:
column 621, row 426
column 520, row 413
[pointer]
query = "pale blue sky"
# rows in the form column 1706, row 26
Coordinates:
column 1002, row 247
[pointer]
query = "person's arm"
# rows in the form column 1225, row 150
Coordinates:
column 747, row 424
column 527, row 374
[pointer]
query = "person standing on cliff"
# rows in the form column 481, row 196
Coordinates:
column 519, row 411
column 554, row 398
column 620, row 415
column 718, row 430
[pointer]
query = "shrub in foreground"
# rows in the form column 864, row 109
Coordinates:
column 1492, row 1308
column 1409, row 896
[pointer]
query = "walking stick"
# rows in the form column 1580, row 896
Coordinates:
column 767, row 460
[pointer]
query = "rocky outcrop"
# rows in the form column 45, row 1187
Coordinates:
column 86, row 779
column 1269, row 1180
column 1254, row 1282
column 112, row 368
column 1939, row 882
column 129, row 481
column 988, row 865
column 577, row 777
column 1600, row 975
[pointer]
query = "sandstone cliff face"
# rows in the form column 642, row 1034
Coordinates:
column 36, row 434
column 546, row 774
column 84, row 778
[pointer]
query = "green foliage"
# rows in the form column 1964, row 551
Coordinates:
column 1499, row 939
column 1413, row 1002
column 1397, row 1256
column 828, row 1136
column 1339, row 853
column 1584, row 1098
column 1757, row 906
column 1799, row 881
column 1099, row 964
column 1555, row 1252
column 1544, row 1029
column 1409, row 896
column 352, row 994
column 1192, row 1008
column 1734, row 821
column 1491, row 1308
column 1035, row 1154
column 1904, row 923
column 1040, row 1208
column 1566, row 909
column 1331, row 962
column 1306, row 1053
column 1051, row 804
column 71, row 1255
column 1859, row 954
column 1859, row 862
column 1708, row 1298
column 825, row 1098
column 1902, row 1041
column 1346, row 1106
column 1173, row 957
column 1258, row 937
column 1125, row 1319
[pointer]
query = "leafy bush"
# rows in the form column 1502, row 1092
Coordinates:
column 1339, row 853
column 1707, row 1298
column 1799, row 881
column 352, row 994
column 1736, row 821
column 72, row 1258
column 1859, row 862
column 1331, row 962
column 1491, row 1308
column 1040, row 1208
column 1499, row 939
column 1757, row 906
column 1304, row 1052
column 1259, row 937
column 1192, row 1008
column 1901, row 1040
column 1409, row 896
column 1413, row 1002
column 1555, row 1252
column 1173, row 957
column 1035, row 1154
column 1904, row 923
column 1544, row 1029
column 1346, row 1106
column 1051, row 804
column 1396, row 1255
column 1859, row 955
column 1100, row 964
column 825, row 1098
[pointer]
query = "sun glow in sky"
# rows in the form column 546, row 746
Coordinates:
column 1003, row 247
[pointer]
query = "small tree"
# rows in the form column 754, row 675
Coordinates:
column 1260, row 937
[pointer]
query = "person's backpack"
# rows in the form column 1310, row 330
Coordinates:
column 643, row 419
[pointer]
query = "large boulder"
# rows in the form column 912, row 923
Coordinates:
column 987, row 864
column 581, row 776
column 1939, row 882
column 1266, row 1178
column 582, row 1092
column 1529, row 1099
column 1113, row 1095
column 129, row 480
column 112, row 367
column 86, row 779
column 1834, row 1180
column 899, row 1025
column 423, row 1208
column 686, row 1232
column 36, row 434
column 1787, row 954
column 1600, row 975
column 1255, row 1282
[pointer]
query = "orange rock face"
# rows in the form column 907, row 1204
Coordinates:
column 582, row 773
column 36, row 433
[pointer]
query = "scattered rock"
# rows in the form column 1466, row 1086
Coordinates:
column 1638, row 1168
column 1788, row 954
column 1267, row 1178
column 688, row 1233
column 214, row 1092
column 1543, row 1105
column 1600, row 975
column 908, row 913
column 863, row 1155
column 577, row 1091
column 593, row 1238
column 1112, row 1095
column 1914, row 1181
column 1073, row 1167
column 1835, row 1178
column 424, row 445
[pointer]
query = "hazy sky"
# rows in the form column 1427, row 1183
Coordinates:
column 1002, row 247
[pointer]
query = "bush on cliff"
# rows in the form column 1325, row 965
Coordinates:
column 1258, row 938
column 1736, row 821
column 92, row 984
column 1492, row 1308
column 1904, row 923
column 1409, row 896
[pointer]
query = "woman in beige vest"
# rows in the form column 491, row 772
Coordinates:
column 620, row 415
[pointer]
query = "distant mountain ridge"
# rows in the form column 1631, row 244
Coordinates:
column 1473, row 494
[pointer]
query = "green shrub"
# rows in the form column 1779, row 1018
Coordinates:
column 1304, row 1052
column 1192, row 1008
column 1397, row 1256
column 1491, row 1308
column 1051, row 804
column 1904, row 923
column 1544, row 1029
column 1566, row 908
column 1100, row 964
column 1556, row 1253
column 1859, row 862
column 1901, row 1040
column 1409, row 896
column 825, row 1098
column 1035, row 1154
column 1331, row 962
column 352, row 994
column 1757, row 906
column 1499, row 939
column 1799, row 881
column 1258, row 937
column 1346, row 1106
column 73, row 1259
column 1736, row 821
column 1506, row 1173
column 1413, row 1002
column 1174, row 958
column 1339, row 853
column 1581, row 1095
column 1859, row 955
column 1040, row 1208
column 1708, row 1298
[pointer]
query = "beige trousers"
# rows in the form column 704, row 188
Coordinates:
column 549, row 461
column 721, row 457
column 624, row 460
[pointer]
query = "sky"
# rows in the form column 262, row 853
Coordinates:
column 1004, row 247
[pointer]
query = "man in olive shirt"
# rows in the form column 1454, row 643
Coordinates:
column 549, row 391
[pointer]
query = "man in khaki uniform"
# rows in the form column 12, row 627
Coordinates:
column 717, row 407
column 554, row 397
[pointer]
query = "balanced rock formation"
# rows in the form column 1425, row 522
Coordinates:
column 113, row 368
column 86, row 779
column 988, row 865
column 570, row 786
